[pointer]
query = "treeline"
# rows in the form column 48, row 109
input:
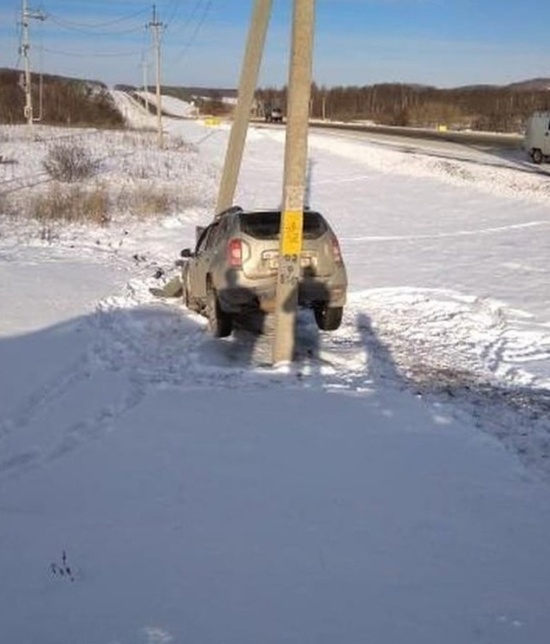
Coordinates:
column 64, row 101
column 500, row 109
column 58, row 101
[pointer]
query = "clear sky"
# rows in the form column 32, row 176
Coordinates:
column 358, row 42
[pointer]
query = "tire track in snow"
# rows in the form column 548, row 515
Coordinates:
column 418, row 328
column 444, row 329
column 45, row 394
column 82, row 432
column 18, row 426
column 458, row 233
column 97, row 360
column 438, row 343
column 73, row 436
column 470, row 355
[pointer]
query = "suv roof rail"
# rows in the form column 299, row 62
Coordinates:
column 228, row 211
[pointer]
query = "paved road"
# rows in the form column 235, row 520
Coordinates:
column 501, row 150
column 511, row 141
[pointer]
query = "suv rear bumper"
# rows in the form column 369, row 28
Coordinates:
column 310, row 293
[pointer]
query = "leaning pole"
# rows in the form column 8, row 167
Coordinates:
column 247, row 88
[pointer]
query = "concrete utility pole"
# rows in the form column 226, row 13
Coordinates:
column 156, row 27
column 247, row 87
column 24, row 51
column 292, row 216
column 145, row 90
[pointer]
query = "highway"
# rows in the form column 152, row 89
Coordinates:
column 479, row 148
column 486, row 139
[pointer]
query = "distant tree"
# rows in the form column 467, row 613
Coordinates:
column 493, row 108
column 213, row 106
column 62, row 101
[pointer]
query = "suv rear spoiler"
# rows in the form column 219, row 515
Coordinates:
column 228, row 211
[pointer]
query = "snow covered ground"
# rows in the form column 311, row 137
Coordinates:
column 171, row 106
column 157, row 485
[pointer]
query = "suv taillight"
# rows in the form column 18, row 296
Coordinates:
column 336, row 252
column 235, row 252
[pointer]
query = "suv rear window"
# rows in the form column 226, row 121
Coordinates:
column 266, row 225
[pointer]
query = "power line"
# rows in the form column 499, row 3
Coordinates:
column 93, row 54
column 19, row 37
column 188, row 20
column 98, row 25
column 202, row 19
column 197, row 13
column 71, row 27
column 173, row 10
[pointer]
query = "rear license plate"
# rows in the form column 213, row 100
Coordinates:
column 274, row 262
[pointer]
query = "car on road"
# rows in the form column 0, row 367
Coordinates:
column 274, row 115
column 233, row 269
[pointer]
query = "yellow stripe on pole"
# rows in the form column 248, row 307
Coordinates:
column 292, row 225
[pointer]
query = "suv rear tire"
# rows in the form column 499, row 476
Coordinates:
column 537, row 156
column 219, row 322
column 186, row 294
column 328, row 318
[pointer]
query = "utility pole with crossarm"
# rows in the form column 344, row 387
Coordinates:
column 156, row 26
column 27, row 14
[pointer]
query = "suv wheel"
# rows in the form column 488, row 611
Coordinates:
column 186, row 294
column 537, row 156
column 328, row 318
column 219, row 322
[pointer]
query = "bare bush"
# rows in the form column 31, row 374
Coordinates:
column 7, row 207
column 93, row 204
column 3, row 204
column 145, row 201
column 149, row 139
column 70, row 162
column 72, row 204
column 148, row 200
column 180, row 144
column 139, row 138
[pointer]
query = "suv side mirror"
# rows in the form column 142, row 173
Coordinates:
column 186, row 253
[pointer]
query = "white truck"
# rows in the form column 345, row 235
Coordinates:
column 537, row 137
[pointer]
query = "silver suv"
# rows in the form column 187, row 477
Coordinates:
column 233, row 269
